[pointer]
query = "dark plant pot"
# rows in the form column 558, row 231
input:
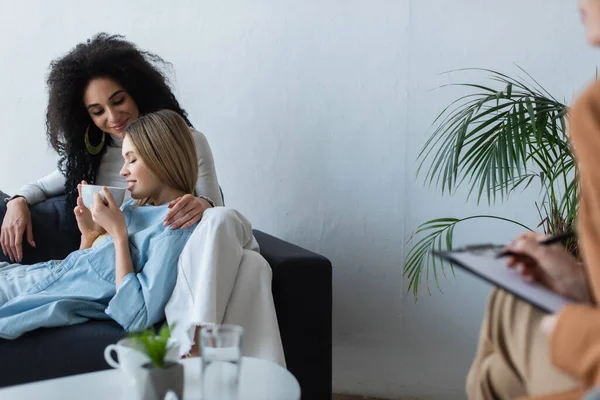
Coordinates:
column 154, row 383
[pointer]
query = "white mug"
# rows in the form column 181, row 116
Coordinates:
column 132, row 357
column 88, row 192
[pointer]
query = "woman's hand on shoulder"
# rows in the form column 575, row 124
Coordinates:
column 185, row 211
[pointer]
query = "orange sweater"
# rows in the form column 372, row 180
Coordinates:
column 575, row 343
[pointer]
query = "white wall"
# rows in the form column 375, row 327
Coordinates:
column 315, row 112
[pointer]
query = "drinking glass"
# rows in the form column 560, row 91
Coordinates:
column 221, row 361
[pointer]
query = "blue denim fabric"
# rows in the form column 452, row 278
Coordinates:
column 83, row 286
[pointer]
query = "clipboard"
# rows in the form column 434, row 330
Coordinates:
column 481, row 261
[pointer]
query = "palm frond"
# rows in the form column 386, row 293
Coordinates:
column 437, row 234
column 487, row 138
column 496, row 140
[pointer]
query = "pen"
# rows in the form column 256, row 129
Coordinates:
column 561, row 237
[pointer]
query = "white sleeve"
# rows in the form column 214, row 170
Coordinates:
column 51, row 185
column 207, row 184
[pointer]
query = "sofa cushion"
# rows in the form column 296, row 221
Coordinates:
column 55, row 352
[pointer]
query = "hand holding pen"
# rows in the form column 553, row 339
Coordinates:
column 541, row 259
column 559, row 238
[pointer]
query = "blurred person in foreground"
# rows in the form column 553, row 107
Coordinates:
column 522, row 352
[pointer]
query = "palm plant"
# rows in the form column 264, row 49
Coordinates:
column 496, row 140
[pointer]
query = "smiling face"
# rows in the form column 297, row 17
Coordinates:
column 141, row 181
column 110, row 107
column 590, row 15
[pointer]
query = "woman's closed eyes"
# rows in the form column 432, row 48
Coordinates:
column 115, row 103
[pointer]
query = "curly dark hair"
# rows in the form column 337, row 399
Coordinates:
column 142, row 74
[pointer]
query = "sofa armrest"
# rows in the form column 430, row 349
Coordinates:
column 302, row 292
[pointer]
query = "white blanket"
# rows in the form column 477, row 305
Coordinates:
column 221, row 278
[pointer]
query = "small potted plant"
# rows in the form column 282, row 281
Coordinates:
column 159, row 376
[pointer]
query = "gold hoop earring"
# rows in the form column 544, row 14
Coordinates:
column 93, row 150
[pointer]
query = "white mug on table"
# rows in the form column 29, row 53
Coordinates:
column 132, row 357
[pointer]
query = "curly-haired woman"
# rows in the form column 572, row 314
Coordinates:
column 95, row 91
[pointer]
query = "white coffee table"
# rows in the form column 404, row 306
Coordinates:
column 259, row 380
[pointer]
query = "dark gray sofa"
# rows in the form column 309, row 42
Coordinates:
column 302, row 291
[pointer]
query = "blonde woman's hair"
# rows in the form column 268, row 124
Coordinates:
column 164, row 141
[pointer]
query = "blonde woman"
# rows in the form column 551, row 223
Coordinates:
column 126, row 266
